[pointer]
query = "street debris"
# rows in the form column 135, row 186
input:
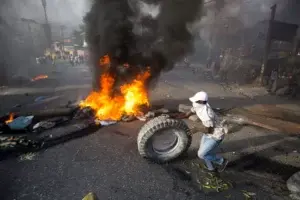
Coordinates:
column 128, row 118
column 15, row 142
column 150, row 114
column 8, row 144
column 209, row 181
column 20, row 123
column 39, row 77
column 84, row 113
column 44, row 125
column 213, row 182
column 90, row 196
column 49, row 123
column 249, row 195
column 294, row 196
column 105, row 123
column 142, row 118
column 27, row 156
column 35, row 123
column 293, row 183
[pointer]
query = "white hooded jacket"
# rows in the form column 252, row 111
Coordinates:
column 210, row 119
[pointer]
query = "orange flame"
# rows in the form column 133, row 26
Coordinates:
column 39, row 77
column 111, row 106
column 10, row 119
column 105, row 60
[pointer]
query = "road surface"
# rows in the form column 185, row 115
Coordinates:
column 107, row 163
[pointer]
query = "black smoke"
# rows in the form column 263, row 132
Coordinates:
column 119, row 29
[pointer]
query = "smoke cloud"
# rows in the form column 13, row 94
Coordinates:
column 149, row 33
column 245, row 13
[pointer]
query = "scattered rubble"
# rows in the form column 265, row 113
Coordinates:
column 295, row 196
column 105, row 123
column 128, row 118
column 20, row 123
column 90, row 196
column 248, row 195
column 86, row 112
column 35, row 123
column 150, row 114
column 15, row 142
column 28, row 156
column 208, row 181
column 142, row 118
column 293, row 183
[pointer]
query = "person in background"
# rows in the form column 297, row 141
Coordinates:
column 37, row 60
column 273, row 77
column 214, row 135
column 71, row 59
column 293, row 84
column 53, row 59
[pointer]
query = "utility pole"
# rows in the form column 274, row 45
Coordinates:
column 47, row 27
column 62, row 28
column 218, row 5
column 268, row 44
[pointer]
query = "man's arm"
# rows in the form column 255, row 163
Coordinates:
column 188, row 114
column 209, row 126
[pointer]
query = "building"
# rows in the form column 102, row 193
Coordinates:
column 68, row 46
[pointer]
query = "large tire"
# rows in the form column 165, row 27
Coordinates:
column 158, row 126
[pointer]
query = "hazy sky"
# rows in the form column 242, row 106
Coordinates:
column 59, row 11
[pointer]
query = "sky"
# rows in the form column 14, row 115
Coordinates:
column 68, row 12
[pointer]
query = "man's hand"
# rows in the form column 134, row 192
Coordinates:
column 181, row 116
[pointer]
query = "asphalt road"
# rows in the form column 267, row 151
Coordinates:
column 104, row 161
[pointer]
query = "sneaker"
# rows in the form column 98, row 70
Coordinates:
column 222, row 167
column 206, row 170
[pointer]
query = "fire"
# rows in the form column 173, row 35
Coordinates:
column 10, row 119
column 114, row 106
column 105, row 60
column 39, row 77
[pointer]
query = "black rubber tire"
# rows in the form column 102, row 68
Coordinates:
column 156, row 125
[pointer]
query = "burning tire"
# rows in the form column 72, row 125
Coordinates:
column 163, row 139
